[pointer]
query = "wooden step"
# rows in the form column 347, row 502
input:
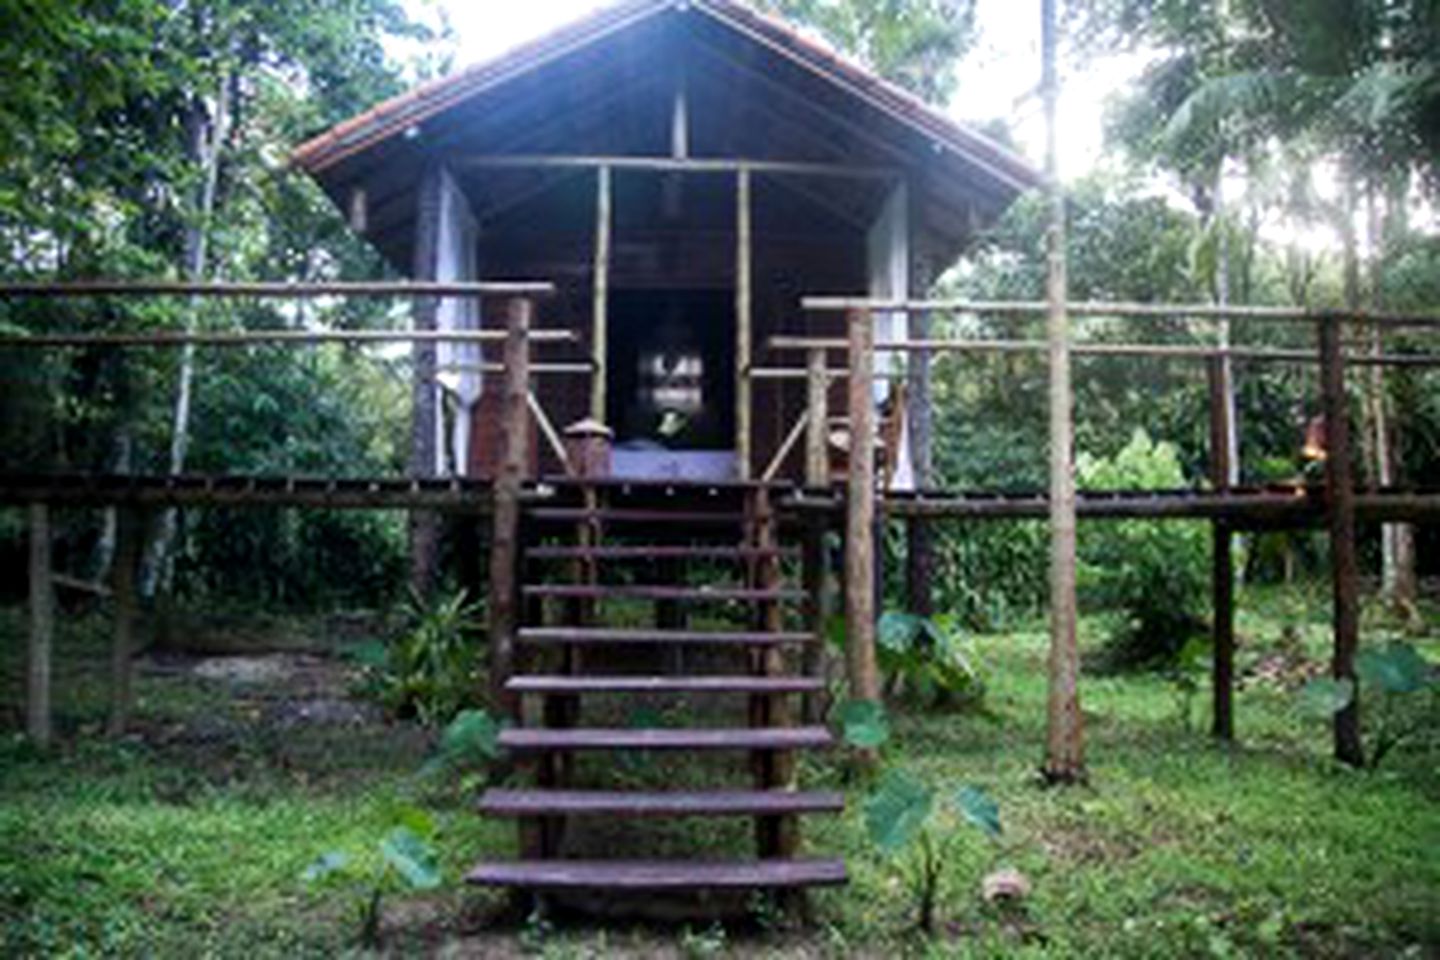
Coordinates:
column 661, row 552
column 623, row 515
column 659, row 875
column 618, row 803
column 630, row 591
column 714, row 684
column 532, row 740
column 609, row 635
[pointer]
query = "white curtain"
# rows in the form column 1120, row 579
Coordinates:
column 887, row 249
column 460, row 375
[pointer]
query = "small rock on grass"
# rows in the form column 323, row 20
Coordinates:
column 1005, row 886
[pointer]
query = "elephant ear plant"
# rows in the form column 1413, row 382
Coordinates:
column 404, row 859
column 1400, row 686
column 913, row 825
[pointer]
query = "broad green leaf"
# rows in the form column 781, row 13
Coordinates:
column 863, row 724
column 836, row 632
column 1326, row 696
column 897, row 810
column 473, row 737
column 1397, row 668
column 411, row 857
column 417, row 821
column 325, row 866
column 979, row 808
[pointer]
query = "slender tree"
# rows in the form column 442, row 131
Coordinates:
column 1065, row 743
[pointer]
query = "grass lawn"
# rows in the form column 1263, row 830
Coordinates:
column 189, row 838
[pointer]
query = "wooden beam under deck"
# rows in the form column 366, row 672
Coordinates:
column 1252, row 507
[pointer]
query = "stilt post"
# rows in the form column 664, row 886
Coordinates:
column 860, row 512
column 1222, row 573
column 509, row 480
column 38, row 720
column 128, row 534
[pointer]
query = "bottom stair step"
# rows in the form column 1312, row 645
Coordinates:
column 719, row 803
column 650, row 875
column 743, row 738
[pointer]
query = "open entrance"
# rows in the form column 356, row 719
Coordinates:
column 671, row 396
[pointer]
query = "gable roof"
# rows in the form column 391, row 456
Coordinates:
column 394, row 117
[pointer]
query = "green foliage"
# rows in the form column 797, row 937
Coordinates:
column 432, row 669
column 913, row 43
column 1149, row 575
column 468, row 745
column 917, row 837
column 1399, row 688
column 863, row 724
column 1186, row 673
column 1326, row 696
column 927, row 660
column 404, row 858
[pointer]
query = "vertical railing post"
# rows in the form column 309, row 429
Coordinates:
column 744, row 308
column 600, row 329
column 1222, row 567
column 509, row 481
column 1344, row 564
column 38, row 724
column 860, row 512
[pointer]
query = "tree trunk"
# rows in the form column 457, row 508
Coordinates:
column 208, row 132
column 1222, row 299
column 1065, row 748
column 1398, row 581
column 920, row 545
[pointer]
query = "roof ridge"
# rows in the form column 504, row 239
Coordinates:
column 404, row 110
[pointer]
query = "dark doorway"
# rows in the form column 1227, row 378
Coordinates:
column 671, row 364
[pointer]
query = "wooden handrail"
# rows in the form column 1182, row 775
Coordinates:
column 1094, row 308
column 265, row 290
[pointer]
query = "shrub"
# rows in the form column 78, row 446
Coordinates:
column 431, row 670
column 1149, row 575
column 925, row 658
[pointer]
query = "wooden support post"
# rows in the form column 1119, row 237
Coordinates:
column 1065, row 750
column 778, row 837
column 38, row 721
column 1344, row 564
column 743, row 320
column 505, row 534
column 860, row 513
column 600, row 336
column 1222, row 581
column 128, row 534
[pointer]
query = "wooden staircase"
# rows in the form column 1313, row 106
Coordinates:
column 636, row 591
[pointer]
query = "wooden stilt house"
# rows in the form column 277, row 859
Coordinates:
column 683, row 171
